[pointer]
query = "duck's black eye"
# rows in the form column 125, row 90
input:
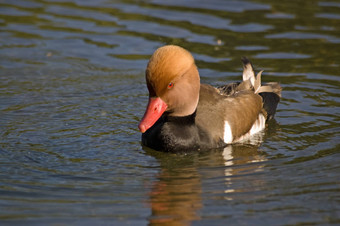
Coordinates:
column 170, row 85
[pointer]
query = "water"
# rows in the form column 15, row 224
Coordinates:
column 72, row 92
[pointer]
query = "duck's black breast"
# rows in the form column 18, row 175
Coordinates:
column 173, row 134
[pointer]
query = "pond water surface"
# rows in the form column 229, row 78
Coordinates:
column 72, row 92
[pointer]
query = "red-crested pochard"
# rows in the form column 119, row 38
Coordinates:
column 184, row 115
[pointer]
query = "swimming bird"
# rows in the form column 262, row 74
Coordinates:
column 184, row 115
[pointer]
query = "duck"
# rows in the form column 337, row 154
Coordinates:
column 184, row 115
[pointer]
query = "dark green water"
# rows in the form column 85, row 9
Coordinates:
column 72, row 92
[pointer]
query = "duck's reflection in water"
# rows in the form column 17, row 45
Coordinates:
column 176, row 197
column 237, row 159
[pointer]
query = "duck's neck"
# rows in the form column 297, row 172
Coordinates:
column 183, row 120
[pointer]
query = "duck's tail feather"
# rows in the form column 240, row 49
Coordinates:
column 248, row 71
column 270, row 92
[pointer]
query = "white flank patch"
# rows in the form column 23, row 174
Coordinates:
column 228, row 136
column 259, row 125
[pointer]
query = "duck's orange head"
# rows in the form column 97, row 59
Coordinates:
column 173, row 82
